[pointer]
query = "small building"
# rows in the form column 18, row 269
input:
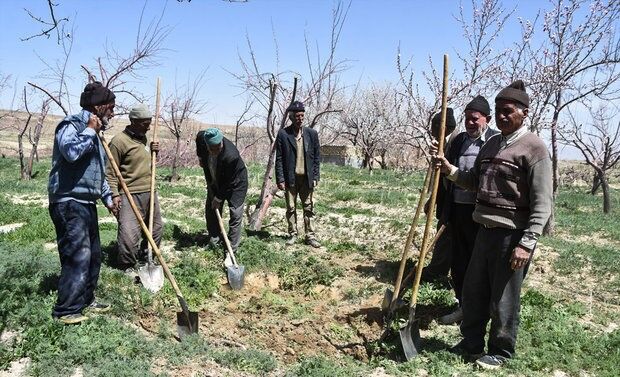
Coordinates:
column 342, row 155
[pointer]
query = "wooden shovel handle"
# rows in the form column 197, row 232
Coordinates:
column 154, row 161
column 435, row 186
column 225, row 236
column 411, row 236
column 146, row 231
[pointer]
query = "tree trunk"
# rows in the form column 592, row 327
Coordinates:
column 20, row 151
column 34, row 153
column 606, row 198
column 174, row 176
column 596, row 184
column 266, row 193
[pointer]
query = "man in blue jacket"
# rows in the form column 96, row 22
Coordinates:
column 76, row 181
column 298, row 159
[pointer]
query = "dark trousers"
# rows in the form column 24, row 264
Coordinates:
column 441, row 260
column 492, row 291
column 77, row 235
column 464, row 231
column 132, row 243
column 234, row 223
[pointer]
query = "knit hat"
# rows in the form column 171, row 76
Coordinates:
column 514, row 92
column 479, row 104
column 96, row 94
column 296, row 107
column 212, row 136
column 436, row 123
column 140, row 111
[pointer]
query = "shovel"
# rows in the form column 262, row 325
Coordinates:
column 187, row 322
column 235, row 272
column 389, row 298
column 151, row 275
column 410, row 332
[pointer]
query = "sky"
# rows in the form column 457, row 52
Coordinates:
column 210, row 34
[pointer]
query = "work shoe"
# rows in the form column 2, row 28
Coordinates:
column 228, row 260
column 491, row 361
column 71, row 319
column 291, row 240
column 461, row 350
column 98, row 307
column 132, row 273
column 452, row 318
column 215, row 242
column 313, row 242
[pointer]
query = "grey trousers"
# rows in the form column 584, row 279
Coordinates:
column 235, row 223
column 131, row 241
column 491, row 291
column 301, row 188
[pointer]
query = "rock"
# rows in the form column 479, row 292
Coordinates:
column 559, row 373
column 290, row 351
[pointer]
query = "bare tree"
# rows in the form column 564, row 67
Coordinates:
column 178, row 108
column 599, row 143
column 483, row 62
column 34, row 135
column 581, row 51
column 370, row 122
column 49, row 26
column 273, row 93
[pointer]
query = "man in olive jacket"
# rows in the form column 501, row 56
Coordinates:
column 227, row 179
column 298, row 171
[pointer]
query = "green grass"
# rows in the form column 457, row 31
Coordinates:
column 557, row 332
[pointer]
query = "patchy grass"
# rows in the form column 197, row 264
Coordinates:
column 333, row 292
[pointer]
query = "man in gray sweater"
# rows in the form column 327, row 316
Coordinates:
column 514, row 195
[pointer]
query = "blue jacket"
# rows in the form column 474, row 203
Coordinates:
column 78, row 163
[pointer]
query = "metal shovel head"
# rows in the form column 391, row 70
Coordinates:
column 410, row 339
column 184, row 327
column 387, row 299
column 151, row 277
column 235, row 276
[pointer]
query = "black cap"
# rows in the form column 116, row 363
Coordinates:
column 514, row 92
column 436, row 123
column 95, row 94
column 296, row 107
column 479, row 104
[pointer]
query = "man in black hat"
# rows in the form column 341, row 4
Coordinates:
column 458, row 204
column 298, row 171
column 514, row 195
column 76, row 182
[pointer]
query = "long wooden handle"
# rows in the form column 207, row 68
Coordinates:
column 411, row 236
column 431, row 212
column 146, row 231
column 154, row 162
column 226, row 240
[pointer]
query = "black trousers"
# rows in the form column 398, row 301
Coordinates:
column 492, row 291
column 441, row 260
column 77, row 235
column 464, row 231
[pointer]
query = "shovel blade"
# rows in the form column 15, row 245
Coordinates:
column 184, row 327
column 387, row 299
column 410, row 339
column 151, row 277
column 236, row 275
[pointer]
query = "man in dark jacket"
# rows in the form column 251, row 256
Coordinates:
column 298, row 171
column 76, row 182
column 227, row 179
column 458, row 204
